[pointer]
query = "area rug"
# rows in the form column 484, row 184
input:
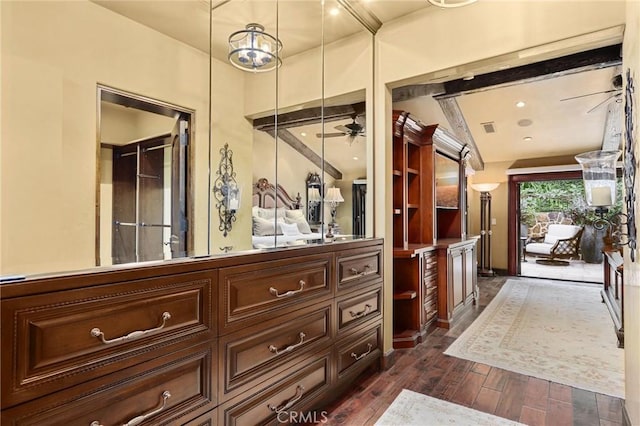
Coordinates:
column 554, row 331
column 411, row 408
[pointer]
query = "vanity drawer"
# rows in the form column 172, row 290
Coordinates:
column 358, row 352
column 356, row 309
column 254, row 292
column 257, row 352
column 166, row 389
column 297, row 391
column 358, row 266
column 61, row 339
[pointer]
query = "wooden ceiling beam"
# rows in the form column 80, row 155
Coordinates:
column 603, row 57
column 308, row 116
column 307, row 152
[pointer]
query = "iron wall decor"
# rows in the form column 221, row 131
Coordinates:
column 630, row 166
column 226, row 191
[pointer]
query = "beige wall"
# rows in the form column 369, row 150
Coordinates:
column 631, row 60
column 480, row 31
column 53, row 56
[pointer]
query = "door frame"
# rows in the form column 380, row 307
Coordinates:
column 144, row 103
column 514, row 209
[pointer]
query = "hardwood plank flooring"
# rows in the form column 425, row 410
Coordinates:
column 425, row 369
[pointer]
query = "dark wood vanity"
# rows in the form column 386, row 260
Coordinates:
column 219, row 340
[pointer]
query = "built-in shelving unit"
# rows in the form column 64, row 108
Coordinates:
column 428, row 206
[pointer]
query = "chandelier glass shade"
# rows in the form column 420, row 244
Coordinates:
column 252, row 49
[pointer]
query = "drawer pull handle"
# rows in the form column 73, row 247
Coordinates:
column 96, row 332
column 364, row 271
column 141, row 418
column 359, row 357
column 288, row 348
column 365, row 312
column 289, row 404
column 274, row 291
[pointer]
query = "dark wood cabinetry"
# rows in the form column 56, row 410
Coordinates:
column 429, row 211
column 613, row 291
column 229, row 340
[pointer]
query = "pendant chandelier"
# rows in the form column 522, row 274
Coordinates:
column 252, row 49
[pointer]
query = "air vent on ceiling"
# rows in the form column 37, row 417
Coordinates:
column 489, row 127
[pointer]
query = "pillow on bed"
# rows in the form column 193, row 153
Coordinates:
column 297, row 217
column 289, row 229
column 264, row 227
column 267, row 213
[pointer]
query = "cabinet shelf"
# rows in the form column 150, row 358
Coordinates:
column 397, row 173
column 413, row 206
column 405, row 295
column 413, row 171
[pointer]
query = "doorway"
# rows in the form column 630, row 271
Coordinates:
column 537, row 201
column 144, row 208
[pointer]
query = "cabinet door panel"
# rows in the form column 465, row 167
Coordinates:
column 457, row 277
column 469, row 273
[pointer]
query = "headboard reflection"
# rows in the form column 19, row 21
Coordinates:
column 267, row 196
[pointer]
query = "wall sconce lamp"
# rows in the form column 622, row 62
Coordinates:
column 333, row 198
column 485, row 227
column 599, row 175
column 226, row 191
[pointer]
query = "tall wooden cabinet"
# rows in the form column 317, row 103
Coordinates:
column 429, row 216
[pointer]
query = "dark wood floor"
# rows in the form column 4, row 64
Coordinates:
column 426, row 370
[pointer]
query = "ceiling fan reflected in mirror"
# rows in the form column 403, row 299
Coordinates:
column 351, row 130
column 616, row 94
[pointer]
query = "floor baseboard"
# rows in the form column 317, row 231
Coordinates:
column 388, row 359
column 626, row 421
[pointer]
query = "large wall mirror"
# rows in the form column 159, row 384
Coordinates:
column 76, row 75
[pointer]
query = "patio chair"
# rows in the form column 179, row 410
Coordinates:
column 560, row 242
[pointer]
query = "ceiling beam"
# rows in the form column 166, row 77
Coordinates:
column 308, row 116
column 454, row 116
column 307, row 152
column 406, row 93
column 612, row 136
column 603, row 57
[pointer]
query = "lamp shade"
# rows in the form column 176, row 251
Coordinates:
column 333, row 196
column 314, row 195
column 484, row 187
column 599, row 175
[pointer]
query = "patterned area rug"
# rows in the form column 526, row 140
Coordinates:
column 552, row 331
column 411, row 408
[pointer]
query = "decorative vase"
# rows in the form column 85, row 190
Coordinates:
column 591, row 244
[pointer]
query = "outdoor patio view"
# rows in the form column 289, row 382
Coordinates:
column 557, row 234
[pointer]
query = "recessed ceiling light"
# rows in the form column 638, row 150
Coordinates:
column 468, row 76
column 525, row 122
column 527, row 139
column 520, row 104
column 303, row 134
column 355, row 158
column 334, row 11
